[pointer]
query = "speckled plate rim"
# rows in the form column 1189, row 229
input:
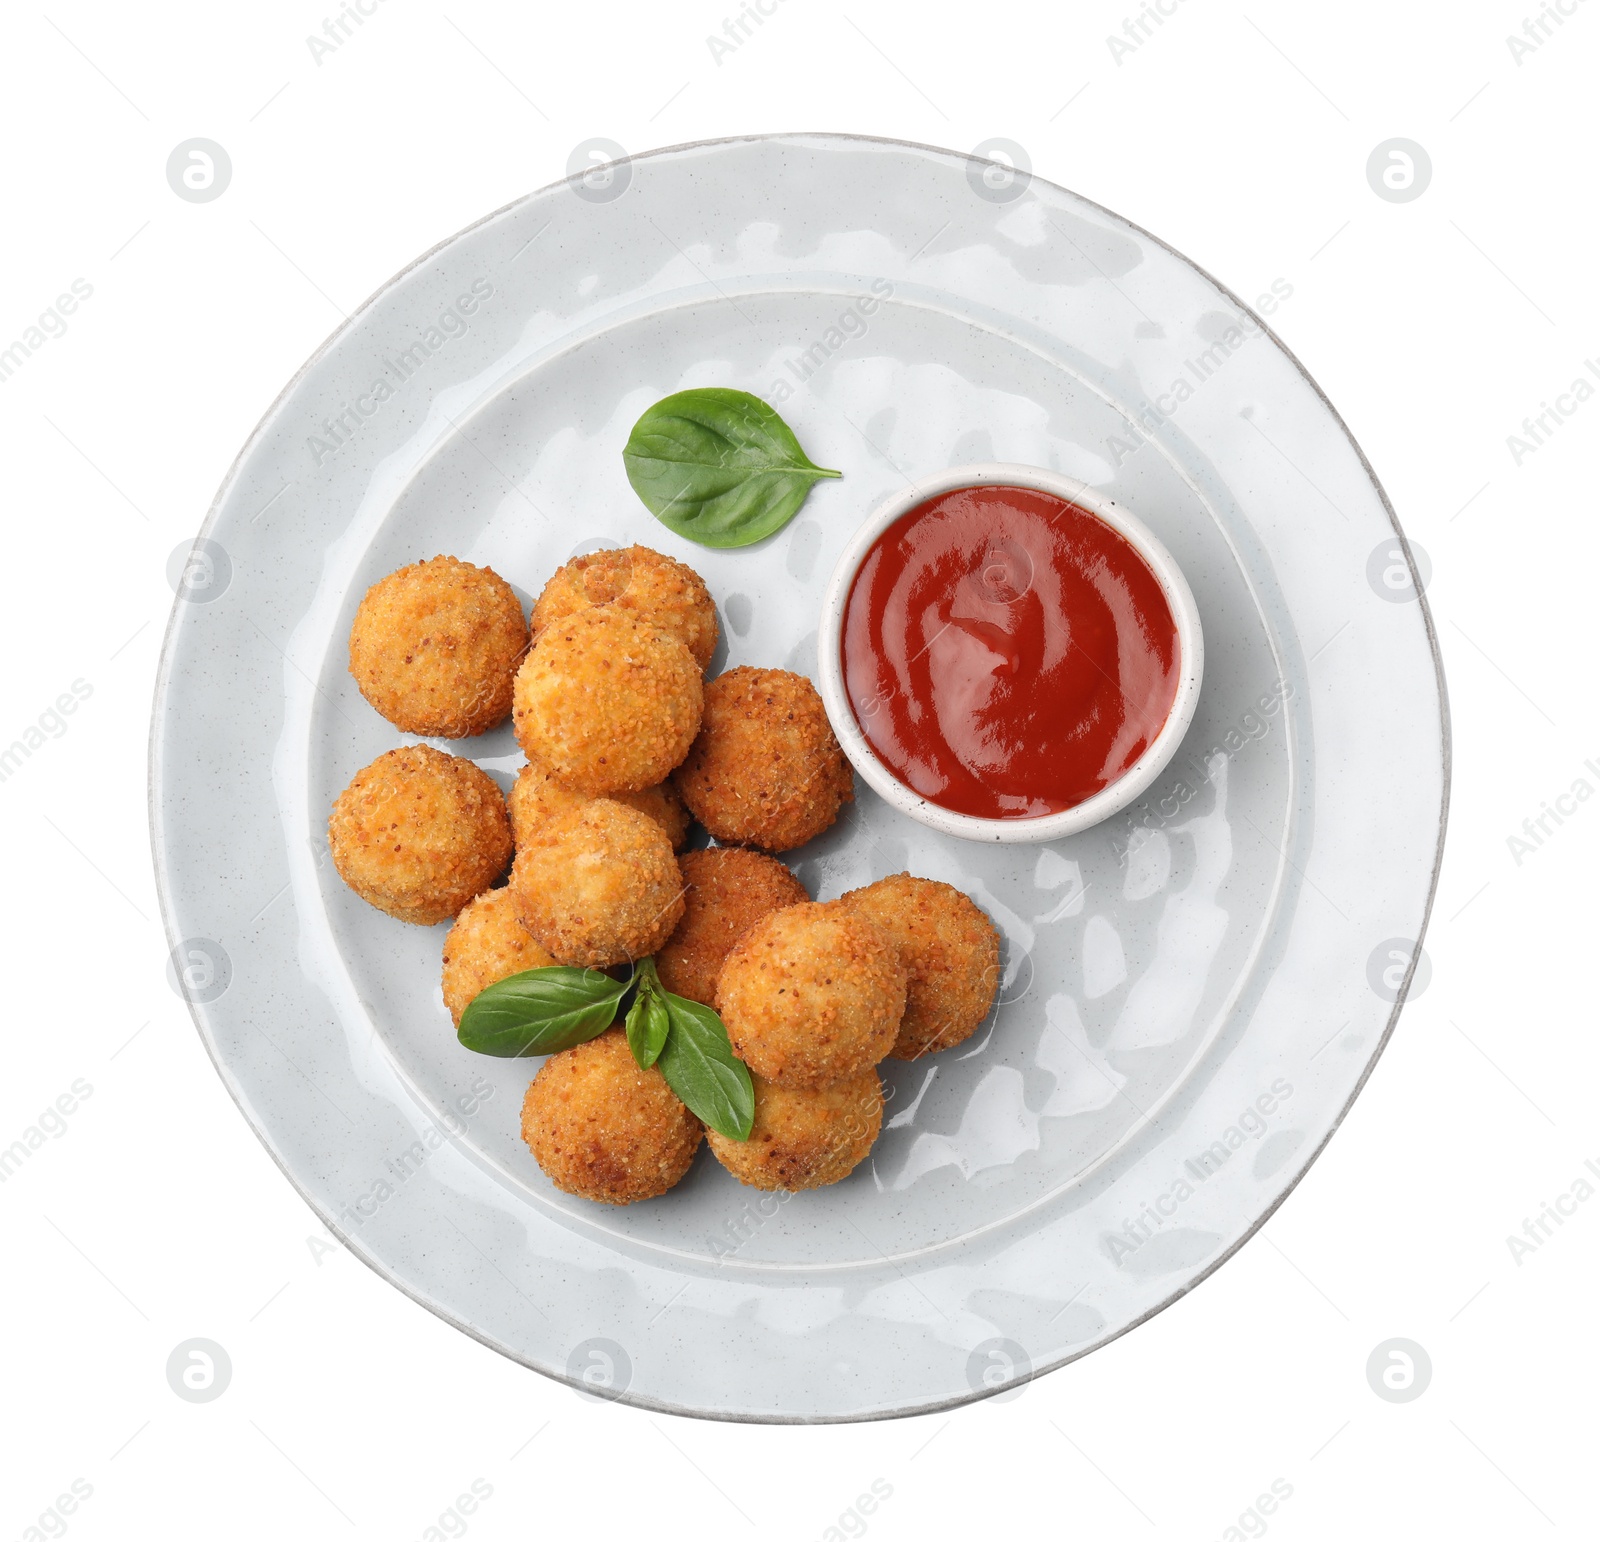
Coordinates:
column 162, row 685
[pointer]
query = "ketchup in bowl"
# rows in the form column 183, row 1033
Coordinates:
column 1007, row 654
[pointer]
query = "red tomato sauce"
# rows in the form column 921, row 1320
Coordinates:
column 1006, row 653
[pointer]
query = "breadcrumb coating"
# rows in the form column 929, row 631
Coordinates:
column 536, row 798
column 602, row 1129
column 607, row 702
column 419, row 833
column 599, row 885
column 487, row 943
column 765, row 769
column 805, row 1139
column 435, row 648
column 811, row 995
column 727, row 890
column 951, row 951
column 657, row 589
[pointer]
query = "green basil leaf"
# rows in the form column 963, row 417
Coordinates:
column 648, row 1020
column 719, row 467
column 541, row 1011
column 700, row 1066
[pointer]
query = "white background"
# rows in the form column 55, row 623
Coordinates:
column 1239, row 135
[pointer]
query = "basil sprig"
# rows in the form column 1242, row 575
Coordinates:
column 690, row 1045
column 541, row 1011
column 649, row 1021
column 701, row 1067
column 719, row 467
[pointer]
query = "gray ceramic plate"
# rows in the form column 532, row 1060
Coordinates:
column 1193, row 992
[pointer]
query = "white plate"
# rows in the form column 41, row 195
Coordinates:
column 1185, row 1017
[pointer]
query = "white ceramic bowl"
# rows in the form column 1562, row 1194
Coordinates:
column 1045, row 827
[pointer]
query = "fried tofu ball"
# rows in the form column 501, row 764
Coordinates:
column 536, row 798
column 435, row 648
column 951, row 951
column 811, row 995
column 727, row 890
column 655, row 588
column 765, row 769
column 607, row 702
column 605, row 1130
column 419, row 833
column 805, row 1139
column 487, row 943
column 599, row 885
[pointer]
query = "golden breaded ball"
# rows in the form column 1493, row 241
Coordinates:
column 419, row 833
column 951, row 951
column 607, row 702
column 599, row 885
column 728, row 889
column 605, row 1130
column 655, row 588
column 435, row 648
column 765, row 769
column 811, row 995
column 536, row 798
column 805, row 1139
column 487, row 943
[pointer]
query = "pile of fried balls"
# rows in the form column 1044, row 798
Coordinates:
column 628, row 747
